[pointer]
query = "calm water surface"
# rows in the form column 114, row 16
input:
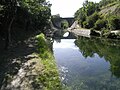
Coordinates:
column 88, row 64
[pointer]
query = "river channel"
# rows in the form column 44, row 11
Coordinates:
column 88, row 63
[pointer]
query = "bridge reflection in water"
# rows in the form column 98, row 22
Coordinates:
column 67, row 35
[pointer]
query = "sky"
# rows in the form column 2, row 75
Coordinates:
column 66, row 8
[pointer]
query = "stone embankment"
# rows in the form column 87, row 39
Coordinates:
column 87, row 32
column 78, row 31
column 81, row 32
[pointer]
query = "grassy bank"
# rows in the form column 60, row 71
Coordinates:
column 49, row 76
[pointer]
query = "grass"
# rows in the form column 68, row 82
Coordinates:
column 49, row 77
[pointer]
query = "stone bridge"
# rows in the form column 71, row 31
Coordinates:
column 70, row 20
column 57, row 21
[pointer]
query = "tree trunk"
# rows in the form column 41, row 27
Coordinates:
column 8, row 37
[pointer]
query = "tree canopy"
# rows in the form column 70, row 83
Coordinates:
column 24, row 13
column 88, row 9
column 100, row 16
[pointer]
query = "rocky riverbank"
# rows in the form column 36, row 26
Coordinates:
column 81, row 32
column 87, row 33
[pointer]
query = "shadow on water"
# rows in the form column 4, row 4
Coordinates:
column 109, row 49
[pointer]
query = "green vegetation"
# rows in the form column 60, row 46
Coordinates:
column 26, row 15
column 49, row 76
column 23, row 19
column 59, row 22
column 99, row 16
column 100, row 23
column 89, row 23
column 88, row 9
column 64, row 24
column 114, row 22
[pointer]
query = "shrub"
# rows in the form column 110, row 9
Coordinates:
column 64, row 24
column 85, row 24
column 90, row 21
column 105, row 32
column 114, row 22
column 100, row 23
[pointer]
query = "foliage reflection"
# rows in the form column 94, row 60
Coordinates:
column 109, row 49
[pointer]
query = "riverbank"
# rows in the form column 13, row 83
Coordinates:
column 29, row 66
column 81, row 32
column 114, row 34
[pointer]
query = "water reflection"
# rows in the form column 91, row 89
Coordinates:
column 88, row 63
column 109, row 49
column 66, row 34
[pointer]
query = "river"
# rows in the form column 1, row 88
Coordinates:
column 88, row 63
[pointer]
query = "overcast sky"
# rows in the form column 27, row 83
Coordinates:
column 66, row 8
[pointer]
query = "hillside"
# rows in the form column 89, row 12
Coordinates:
column 113, row 9
column 103, row 17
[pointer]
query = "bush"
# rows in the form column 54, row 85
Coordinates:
column 114, row 22
column 64, row 24
column 85, row 24
column 90, row 21
column 100, row 23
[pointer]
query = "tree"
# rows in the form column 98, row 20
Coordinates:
column 9, row 14
column 113, row 22
column 80, row 15
column 35, row 12
column 91, row 20
column 100, row 23
column 88, row 9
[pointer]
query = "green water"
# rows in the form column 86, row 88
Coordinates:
column 88, row 63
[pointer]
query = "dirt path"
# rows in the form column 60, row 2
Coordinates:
column 19, row 66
